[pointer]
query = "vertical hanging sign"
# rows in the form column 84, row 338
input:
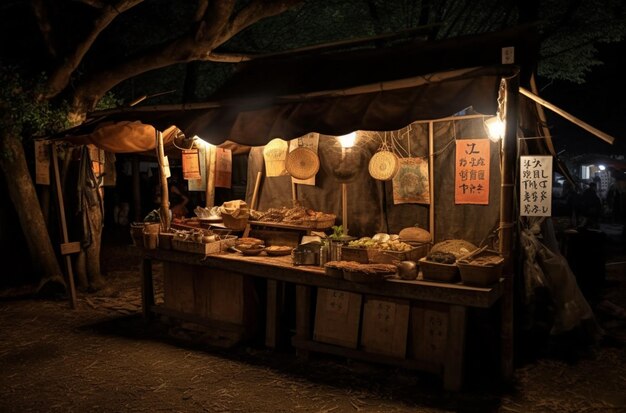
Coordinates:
column 223, row 168
column 42, row 163
column 200, row 183
column 536, row 186
column 191, row 164
column 471, row 182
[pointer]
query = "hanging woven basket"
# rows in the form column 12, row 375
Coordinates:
column 383, row 165
column 302, row 163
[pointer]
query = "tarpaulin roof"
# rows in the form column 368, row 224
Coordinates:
column 335, row 93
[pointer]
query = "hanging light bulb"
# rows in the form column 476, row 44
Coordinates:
column 495, row 128
column 347, row 141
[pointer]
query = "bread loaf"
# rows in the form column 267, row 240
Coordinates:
column 414, row 234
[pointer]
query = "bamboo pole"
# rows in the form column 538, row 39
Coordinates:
column 136, row 189
column 211, row 160
column 431, row 178
column 604, row 136
column 165, row 207
column 294, row 193
column 255, row 192
column 344, row 208
column 68, row 259
column 507, row 178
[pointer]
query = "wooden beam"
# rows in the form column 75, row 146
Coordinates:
column 604, row 136
column 68, row 259
column 211, row 161
column 165, row 207
column 431, row 178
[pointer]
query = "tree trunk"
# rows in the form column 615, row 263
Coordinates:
column 24, row 197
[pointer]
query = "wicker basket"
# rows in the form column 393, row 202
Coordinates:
column 383, row 166
column 302, row 163
column 435, row 271
column 136, row 233
column 234, row 223
column 480, row 275
column 165, row 240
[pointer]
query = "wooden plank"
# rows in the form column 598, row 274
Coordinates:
column 70, row 248
column 337, row 317
column 273, row 314
column 431, row 179
column 68, row 260
column 303, row 317
column 282, row 269
column 277, row 237
column 455, row 349
column 507, row 331
column 428, row 336
column 178, row 287
column 285, row 225
column 385, row 326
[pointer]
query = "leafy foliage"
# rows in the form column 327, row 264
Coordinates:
column 21, row 112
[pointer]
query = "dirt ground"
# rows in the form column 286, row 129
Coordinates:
column 102, row 357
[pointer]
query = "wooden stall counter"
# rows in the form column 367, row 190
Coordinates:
column 413, row 324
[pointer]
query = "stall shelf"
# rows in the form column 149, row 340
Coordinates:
column 452, row 300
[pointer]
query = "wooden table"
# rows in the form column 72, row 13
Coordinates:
column 457, row 298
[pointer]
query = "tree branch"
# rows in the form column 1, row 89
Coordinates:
column 60, row 77
column 194, row 46
column 96, row 4
column 45, row 27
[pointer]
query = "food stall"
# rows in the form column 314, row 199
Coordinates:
column 419, row 156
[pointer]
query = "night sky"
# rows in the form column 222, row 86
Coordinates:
column 600, row 102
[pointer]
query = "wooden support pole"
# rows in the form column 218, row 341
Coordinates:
column 604, row 136
column 294, row 193
column 255, row 192
column 431, row 178
column 211, row 161
column 137, row 189
column 68, row 259
column 344, row 208
column 507, row 178
column 164, row 211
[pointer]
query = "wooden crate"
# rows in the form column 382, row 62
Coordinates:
column 193, row 247
column 428, row 335
column 337, row 317
column 371, row 255
column 385, row 326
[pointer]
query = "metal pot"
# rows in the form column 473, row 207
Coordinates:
column 407, row 270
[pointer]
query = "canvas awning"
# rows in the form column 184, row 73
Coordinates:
column 336, row 93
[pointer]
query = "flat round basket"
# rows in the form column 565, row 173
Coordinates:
column 383, row 165
column 302, row 163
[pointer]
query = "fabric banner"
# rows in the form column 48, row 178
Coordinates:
column 191, row 164
column 310, row 141
column 275, row 154
column 471, row 182
column 42, row 163
column 536, row 186
column 200, row 183
column 411, row 183
column 223, row 168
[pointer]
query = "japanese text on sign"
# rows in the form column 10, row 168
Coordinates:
column 472, row 172
column 536, row 186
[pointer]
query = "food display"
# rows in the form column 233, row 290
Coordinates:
column 382, row 248
column 381, row 241
column 278, row 250
column 441, row 257
column 457, row 247
column 297, row 216
column 413, row 235
column 481, row 270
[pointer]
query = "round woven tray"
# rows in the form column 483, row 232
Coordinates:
column 383, row 165
column 302, row 163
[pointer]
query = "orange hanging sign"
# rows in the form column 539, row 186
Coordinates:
column 191, row 164
column 471, row 183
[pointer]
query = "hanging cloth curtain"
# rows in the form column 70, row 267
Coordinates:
column 88, row 195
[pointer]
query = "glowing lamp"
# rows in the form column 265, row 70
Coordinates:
column 347, row 141
column 495, row 128
column 601, row 167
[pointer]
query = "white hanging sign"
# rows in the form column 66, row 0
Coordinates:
column 536, row 186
